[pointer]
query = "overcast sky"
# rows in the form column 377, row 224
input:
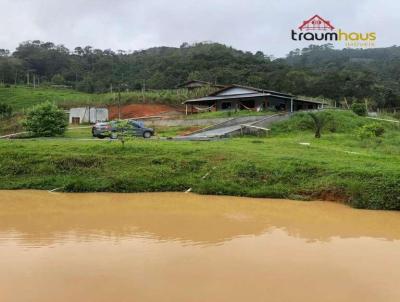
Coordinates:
column 138, row 24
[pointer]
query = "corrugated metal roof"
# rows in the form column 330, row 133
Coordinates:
column 246, row 96
column 225, row 97
column 250, row 88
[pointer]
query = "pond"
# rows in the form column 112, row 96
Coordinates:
column 188, row 247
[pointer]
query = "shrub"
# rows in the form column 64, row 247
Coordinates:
column 58, row 79
column 340, row 121
column 5, row 110
column 46, row 120
column 396, row 115
column 359, row 109
column 319, row 122
column 371, row 130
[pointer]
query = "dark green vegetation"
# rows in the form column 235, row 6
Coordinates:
column 46, row 119
column 359, row 109
column 339, row 166
column 5, row 110
column 316, row 71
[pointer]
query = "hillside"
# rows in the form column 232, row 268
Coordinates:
column 23, row 97
column 316, row 71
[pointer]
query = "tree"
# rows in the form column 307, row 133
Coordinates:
column 46, row 119
column 319, row 122
column 359, row 109
column 317, row 70
column 58, row 79
column 121, row 131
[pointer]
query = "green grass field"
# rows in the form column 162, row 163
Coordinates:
column 339, row 166
column 84, row 131
column 22, row 98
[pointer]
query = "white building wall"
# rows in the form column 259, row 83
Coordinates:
column 98, row 115
column 95, row 115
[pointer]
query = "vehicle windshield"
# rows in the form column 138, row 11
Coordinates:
column 136, row 124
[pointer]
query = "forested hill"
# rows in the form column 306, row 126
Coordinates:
column 314, row 71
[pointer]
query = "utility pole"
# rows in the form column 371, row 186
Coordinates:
column 143, row 90
column 119, row 101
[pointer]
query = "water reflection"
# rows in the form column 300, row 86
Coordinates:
column 36, row 218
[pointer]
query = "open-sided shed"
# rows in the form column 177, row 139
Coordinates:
column 237, row 97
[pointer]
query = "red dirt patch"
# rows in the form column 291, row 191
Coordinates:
column 332, row 195
column 140, row 110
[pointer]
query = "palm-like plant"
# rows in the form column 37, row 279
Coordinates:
column 319, row 120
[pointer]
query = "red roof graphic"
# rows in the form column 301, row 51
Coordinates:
column 316, row 23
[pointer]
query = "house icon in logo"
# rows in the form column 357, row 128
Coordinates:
column 316, row 23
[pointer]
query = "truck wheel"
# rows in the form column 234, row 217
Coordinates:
column 147, row 134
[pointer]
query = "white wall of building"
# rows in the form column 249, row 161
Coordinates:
column 88, row 115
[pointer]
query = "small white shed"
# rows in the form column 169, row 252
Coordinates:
column 87, row 115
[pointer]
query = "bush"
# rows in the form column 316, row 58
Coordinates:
column 371, row 130
column 340, row 121
column 5, row 110
column 58, row 79
column 396, row 115
column 46, row 120
column 359, row 109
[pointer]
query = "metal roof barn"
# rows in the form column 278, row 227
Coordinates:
column 237, row 97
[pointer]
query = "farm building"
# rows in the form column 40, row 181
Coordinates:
column 87, row 115
column 237, row 97
column 195, row 84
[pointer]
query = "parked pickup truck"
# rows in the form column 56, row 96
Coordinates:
column 108, row 129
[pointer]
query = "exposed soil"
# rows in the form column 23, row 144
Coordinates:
column 141, row 110
column 332, row 195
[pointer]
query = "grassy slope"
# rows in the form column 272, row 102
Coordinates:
column 338, row 166
column 25, row 97
column 22, row 98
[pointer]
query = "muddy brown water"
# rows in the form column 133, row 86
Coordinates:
column 187, row 247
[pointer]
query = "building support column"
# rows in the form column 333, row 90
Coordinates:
column 186, row 109
column 291, row 105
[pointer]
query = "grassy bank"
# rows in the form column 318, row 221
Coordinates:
column 339, row 166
